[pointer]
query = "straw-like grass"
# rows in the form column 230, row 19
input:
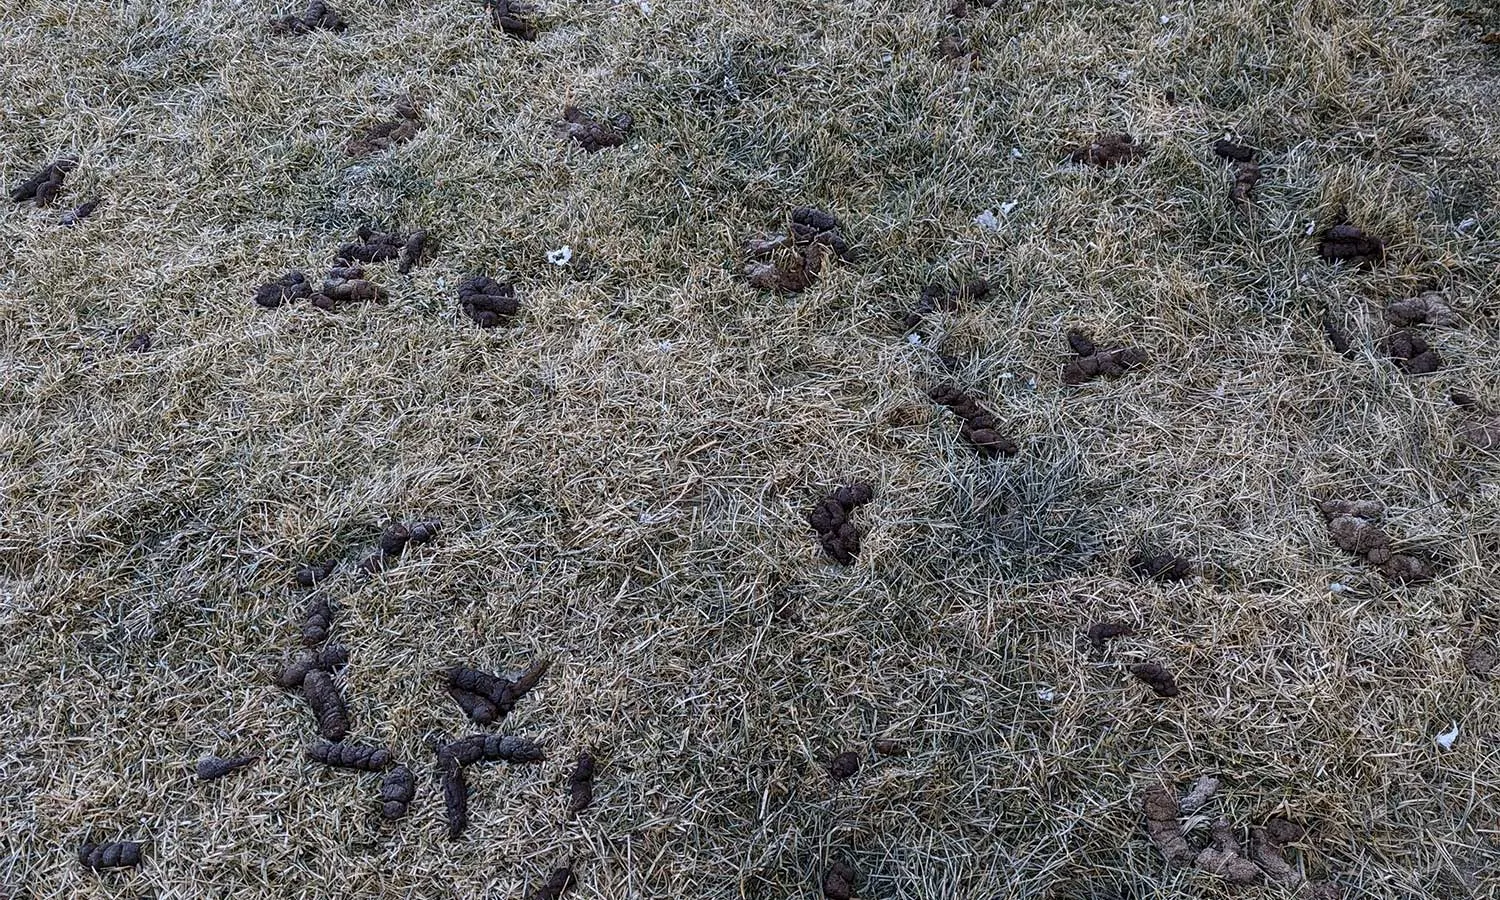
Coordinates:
column 623, row 474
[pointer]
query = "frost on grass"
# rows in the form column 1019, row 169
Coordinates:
column 829, row 518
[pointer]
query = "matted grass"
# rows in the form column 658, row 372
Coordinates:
column 623, row 474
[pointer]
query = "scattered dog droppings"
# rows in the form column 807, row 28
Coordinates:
column 327, row 704
column 319, row 16
column 114, row 855
column 350, row 756
column 557, row 884
column 829, row 518
column 1157, row 678
column 581, row 784
column 1108, row 151
column 397, row 790
column 980, row 427
column 45, row 186
column 839, row 881
column 510, row 18
column 595, row 133
column 844, row 766
column 1346, row 242
column 212, row 767
column 789, row 262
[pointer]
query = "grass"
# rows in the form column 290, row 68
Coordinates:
column 623, row 474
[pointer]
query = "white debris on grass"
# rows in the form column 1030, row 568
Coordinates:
column 987, row 220
column 561, row 256
column 1446, row 739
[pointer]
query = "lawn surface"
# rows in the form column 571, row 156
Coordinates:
column 623, row 472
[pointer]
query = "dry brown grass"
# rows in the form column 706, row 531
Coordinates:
column 623, row 474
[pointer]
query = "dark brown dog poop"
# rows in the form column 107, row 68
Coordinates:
column 829, row 517
column 319, row 15
column 212, row 767
column 397, row 790
column 1412, row 354
column 980, row 427
column 309, row 574
column 1352, row 525
column 937, row 298
column 395, row 537
column 80, row 212
column 1107, row 151
column 1161, row 566
column 379, row 246
column 404, row 124
column 113, row 855
column 46, row 185
column 1092, row 361
column 844, row 766
column 1157, row 678
column 1428, row 308
column 595, row 133
column 1227, row 149
column 350, row 756
column 1246, row 176
column 509, row 16
column 789, row 262
column 839, row 881
column 556, row 885
column 1348, row 242
column 581, row 784
column 291, row 286
column 346, row 284
column 487, row 301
